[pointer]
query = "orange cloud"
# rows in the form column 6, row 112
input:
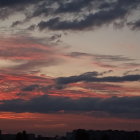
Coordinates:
column 12, row 85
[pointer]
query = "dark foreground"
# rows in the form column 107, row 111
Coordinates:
column 79, row 134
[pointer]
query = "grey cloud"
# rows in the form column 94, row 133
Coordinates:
column 73, row 6
column 30, row 88
column 5, row 12
column 16, row 23
column 6, row 3
column 106, row 14
column 38, row 87
column 134, row 25
column 113, row 57
column 73, row 79
column 92, row 20
column 32, row 27
column 11, row 7
column 26, row 51
column 106, row 72
column 55, row 37
column 102, row 57
column 131, row 64
column 91, row 13
column 36, row 64
column 132, row 71
column 47, row 8
column 127, row 107
column 89, row 78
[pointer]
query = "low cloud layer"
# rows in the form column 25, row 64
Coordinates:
column 126, row 107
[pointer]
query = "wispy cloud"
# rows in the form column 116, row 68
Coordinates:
column 29, row 54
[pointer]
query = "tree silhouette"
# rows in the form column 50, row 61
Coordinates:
column 81, row 134
column 22, row 136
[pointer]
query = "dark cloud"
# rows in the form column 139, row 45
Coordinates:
column 134, row 25
column 61, row 86
column 107, row 13
column 55, row 37
column 72, row 79
column 30, row 88
column 71, row 14
column 8, row 3
column 16, row 23
column 11, row 7
column 32, row 27
column 127, row 107
column 94, row 78
column 92, row 20
column 47, row 8
column 38, row 87
column 73, row 6
column 106, row 72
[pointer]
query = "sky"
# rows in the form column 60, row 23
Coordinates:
column 69, row 64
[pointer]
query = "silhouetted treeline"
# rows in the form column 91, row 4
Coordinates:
column 82, row 134
column 79, row 134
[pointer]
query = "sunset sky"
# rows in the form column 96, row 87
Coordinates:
column 68, row 64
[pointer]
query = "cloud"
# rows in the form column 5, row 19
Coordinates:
column 69, row 15
column 101, row 56
column 16, row 23
column 31, row 85
column 30, row 88
column 73, row 79
column 134, row 25
column 74, row 6
column 126, row 107
column 29, row 53
column 106, row 61
column 23, row 85
column 6, row 3
column 106, row 13
column 11, row 7
column 93, row 78
column 132, row 71
column 92, row 20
